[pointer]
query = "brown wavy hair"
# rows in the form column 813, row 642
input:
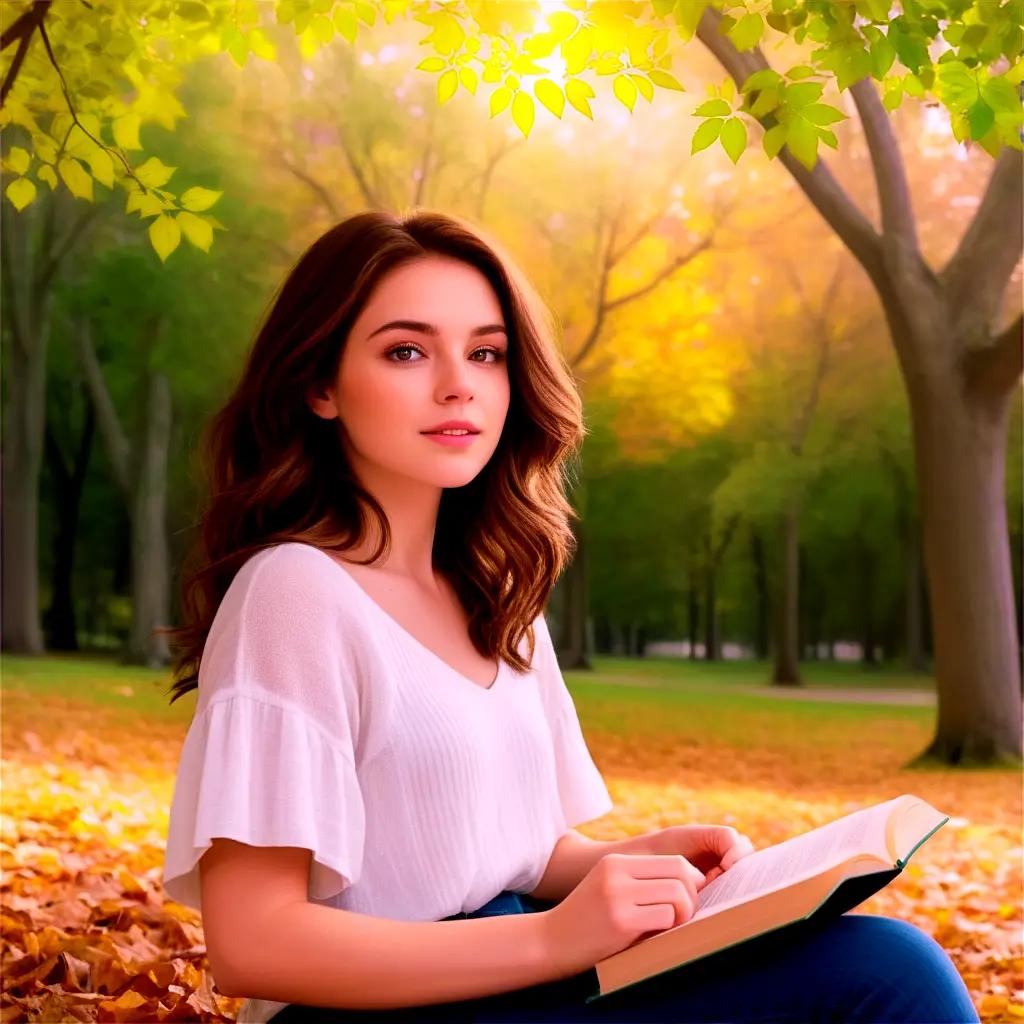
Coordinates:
column 276, row 472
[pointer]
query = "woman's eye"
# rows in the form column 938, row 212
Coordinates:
column 402, row 348
column 497, row 353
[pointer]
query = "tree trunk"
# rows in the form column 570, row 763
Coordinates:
column 27, row 311
column 761, row 638
column 150, row 555
column 960, row 367
column 62, row 632
column 867, row 606
column 960, row 446
column 693, row 607
column 711, row 648
column 787, row 606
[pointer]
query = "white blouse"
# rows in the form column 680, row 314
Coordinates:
column 322, row 723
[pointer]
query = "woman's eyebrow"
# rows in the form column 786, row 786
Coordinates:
column 425, row 328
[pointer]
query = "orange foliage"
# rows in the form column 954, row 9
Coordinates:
column 88, row 934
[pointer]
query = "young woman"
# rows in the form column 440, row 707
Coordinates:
column 375, row 799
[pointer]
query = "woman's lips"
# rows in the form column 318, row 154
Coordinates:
column 453, row 440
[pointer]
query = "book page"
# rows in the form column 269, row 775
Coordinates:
column 796, row 859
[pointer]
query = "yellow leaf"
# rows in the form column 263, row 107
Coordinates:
column 196, row 198
column 45, row 147
column 154, row 173
column 576, row 51
column 126, row 131
column 21, row 192
column 432, row 64
column 625, row 91
column 165, row 236
column 446, row 85
column 500, row 99
column 523, row 111
column 102, row 166
column 18, row 160
column 644, row 85
column 78, row 182
column 577, row 93
column 261, row 45
column 45, row 173
column 345, row 22
column 550, row 95
column 196, row 229
column 467, row 76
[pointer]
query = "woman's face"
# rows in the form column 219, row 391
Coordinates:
column 447, row 360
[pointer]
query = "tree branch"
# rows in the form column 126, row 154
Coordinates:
column 977, row 273
column 824, row 192
column 23, row 29
column 890, row 175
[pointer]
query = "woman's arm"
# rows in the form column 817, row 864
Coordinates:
column 265, row 940
column 573, row 857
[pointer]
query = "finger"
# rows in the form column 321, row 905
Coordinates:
column 742, row 848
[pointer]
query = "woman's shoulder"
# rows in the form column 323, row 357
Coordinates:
column 289, row 582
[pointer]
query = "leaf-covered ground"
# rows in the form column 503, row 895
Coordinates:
column 90, row 751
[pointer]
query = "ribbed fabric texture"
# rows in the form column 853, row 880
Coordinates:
column 324, row 724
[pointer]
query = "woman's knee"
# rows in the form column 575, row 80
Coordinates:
column 900, row 967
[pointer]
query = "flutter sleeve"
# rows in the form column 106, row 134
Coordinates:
column 582, row 792
column 269, row 758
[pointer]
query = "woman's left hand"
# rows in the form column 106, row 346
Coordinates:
column 712, row 849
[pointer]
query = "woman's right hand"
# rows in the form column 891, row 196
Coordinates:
column 623, row 898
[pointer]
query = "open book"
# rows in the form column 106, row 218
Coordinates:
column 821, row 873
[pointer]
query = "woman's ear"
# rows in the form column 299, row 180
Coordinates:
column 321, row 402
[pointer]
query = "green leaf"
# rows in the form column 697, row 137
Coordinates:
column 882, row 57
column 713, row 108
column 687, row 16
column 998, row 93
column 822, row 113
column 706, row 134
column 523, row 111
column 550, row 95
column 734, row 138
column 164, row 236
column 774, row 139
column 802, row 140
column 746, row 34
column 664, row 80
column 981, row 117
column 802, row 94
column 21, row 192
column 762, row 79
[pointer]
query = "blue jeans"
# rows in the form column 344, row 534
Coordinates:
column 850, row 968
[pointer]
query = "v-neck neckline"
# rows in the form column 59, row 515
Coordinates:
column 418, row 643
